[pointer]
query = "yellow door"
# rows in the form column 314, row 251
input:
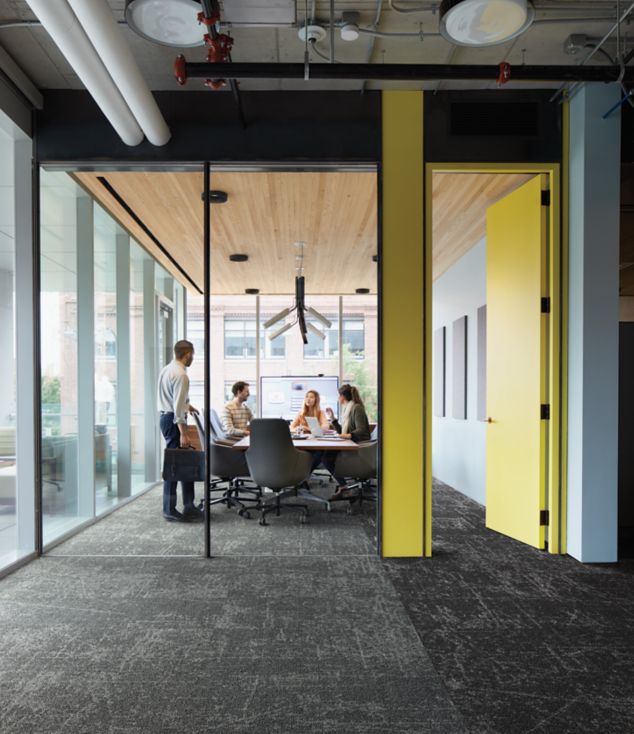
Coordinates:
column 517, row 331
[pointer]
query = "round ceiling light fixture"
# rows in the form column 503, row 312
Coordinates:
column 484, row 22
column 168, row 22
column 349, row 32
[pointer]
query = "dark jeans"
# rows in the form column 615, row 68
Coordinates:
column 317, row 459
column 328, row 460
column 172, row 437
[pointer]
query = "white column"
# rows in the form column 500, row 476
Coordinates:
column 124, row 405
column 85, row 358
column 149, row 345
column 593, row 324
column 25, row 345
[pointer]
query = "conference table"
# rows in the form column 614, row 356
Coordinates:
column 310, row 444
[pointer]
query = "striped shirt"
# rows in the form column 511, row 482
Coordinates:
column 173, row 391
column 236, row 417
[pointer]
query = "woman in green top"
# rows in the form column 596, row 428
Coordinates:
column 354, row 425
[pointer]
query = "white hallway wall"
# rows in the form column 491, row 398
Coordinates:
column 459, row 446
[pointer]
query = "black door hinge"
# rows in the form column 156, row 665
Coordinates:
column 544, row 411
column 546, row 198
column 544, row 517
column 546, row 304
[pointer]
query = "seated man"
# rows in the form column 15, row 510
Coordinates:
column 236, row 415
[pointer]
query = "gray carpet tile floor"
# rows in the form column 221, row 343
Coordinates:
column 126, row 628
column 524, row 641
column 139, row 529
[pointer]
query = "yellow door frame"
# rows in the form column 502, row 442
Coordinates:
column 557, row 348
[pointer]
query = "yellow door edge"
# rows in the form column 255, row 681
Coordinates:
column 428, row 325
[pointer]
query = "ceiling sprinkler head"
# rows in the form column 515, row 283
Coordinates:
column 315, row 33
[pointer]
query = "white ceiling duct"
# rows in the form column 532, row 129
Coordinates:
column 105, row 35
column 62, row 25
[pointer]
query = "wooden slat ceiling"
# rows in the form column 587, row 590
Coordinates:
column 460, row 201
column 335, row 214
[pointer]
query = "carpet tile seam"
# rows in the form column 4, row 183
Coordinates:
column 384, row 571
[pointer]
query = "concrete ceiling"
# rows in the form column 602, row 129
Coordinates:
column 38, row 56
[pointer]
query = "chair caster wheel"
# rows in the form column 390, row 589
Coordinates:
column 262, row 521
column 245, row 513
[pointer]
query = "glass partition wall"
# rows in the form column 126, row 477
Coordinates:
column 17, row 496
column 109, row 316
column 349, row 351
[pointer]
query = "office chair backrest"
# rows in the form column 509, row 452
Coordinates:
column 227, row 463
column 216, row 424
column 273, row 460
column 360, row 464
column 224, row 462
column 199, row 427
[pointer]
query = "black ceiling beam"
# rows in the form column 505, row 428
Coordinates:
column 409, row 72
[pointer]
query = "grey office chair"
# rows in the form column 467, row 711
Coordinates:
column 230, row 471
column 216, row 424
column 276, row 464
column 360, row 466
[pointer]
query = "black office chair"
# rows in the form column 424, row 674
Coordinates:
column 276, row 464
column 230, row 471
column 361, row 467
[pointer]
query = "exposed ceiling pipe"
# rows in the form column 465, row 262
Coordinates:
column 332, row 31
column 373, row 32
column 97, row 20
column 63, row 27
column 623, row 73
column 409, row 72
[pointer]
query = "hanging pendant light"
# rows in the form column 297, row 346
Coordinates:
column 484, row 22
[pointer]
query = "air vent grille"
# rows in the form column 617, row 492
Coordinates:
column 495, row 118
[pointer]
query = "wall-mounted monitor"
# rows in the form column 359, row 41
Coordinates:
column 283, row 397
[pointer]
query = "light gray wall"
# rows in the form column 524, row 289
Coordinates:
column 594, row 315
column 459, row 446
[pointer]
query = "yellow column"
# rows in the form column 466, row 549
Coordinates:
column 406, row 506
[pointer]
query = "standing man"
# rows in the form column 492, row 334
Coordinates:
column 236, row 415
column 173, row 404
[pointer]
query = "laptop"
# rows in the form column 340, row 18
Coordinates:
column 315, row 427
column 318, row 431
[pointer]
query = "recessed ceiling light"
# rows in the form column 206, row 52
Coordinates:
column 238, row 258
column 484, row 22
column 168, row 22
